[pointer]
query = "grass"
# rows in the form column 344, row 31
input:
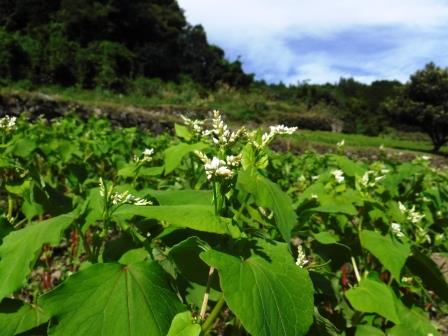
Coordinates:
column 357, row 140
column 237, row 105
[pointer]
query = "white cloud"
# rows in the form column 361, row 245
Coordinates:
column 261, row 32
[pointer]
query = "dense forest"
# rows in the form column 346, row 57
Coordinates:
column 107, row 43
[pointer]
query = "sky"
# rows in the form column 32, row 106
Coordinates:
column 323, row 40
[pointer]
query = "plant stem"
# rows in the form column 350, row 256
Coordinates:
column 206, row 294
column 10, row 207
column 213, row 314
column 215, row 198
column 355, row 268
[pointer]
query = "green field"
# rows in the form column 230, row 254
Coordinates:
column 210, row 231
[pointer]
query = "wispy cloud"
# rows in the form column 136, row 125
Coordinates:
column 322, row 40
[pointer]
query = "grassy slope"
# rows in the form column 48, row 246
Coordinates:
column 234, row 104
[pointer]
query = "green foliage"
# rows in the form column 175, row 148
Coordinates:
column 278, row 298
column 19, row 250
column 105, row 44
column 115, row 300
column 423, row 102
column 233, row 238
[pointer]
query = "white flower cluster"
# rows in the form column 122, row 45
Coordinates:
column 217, row 168
column 396, row 230
column 411, row 215
column 267, row 138
column 338, row 175
column 126, row 197
column 220, row 133
column 196, row 125
column 340, row 145
column 371, row 178
column 301, row 260
column 146, row 156
column 121, row 198
column 8, row 123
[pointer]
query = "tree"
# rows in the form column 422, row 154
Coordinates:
column 423, row 102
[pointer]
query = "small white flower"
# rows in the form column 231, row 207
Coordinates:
column 396, row 230
column 233, row 161
column 216, row 167
column 126, row 197
column 407, row 280
column 338, row 175
column 146, row 156
column 195, row 125
column 340, row 144
column 8, row 123
column 301, row 260
column 401, row 207
column 266, row 138
column 148, row 151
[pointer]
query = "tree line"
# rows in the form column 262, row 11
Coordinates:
column 106, row 43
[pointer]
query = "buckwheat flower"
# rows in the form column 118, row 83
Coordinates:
column 195, row 125
column 396, row 230
column 365, row 179
column 340, row 144
column 217, row 168
column 8, row 123
column 407, row 280
column 220, row 133
column 338, row 175
column 282, row 129
column 148, row 151
column 301, row 260
column 401, row 207
column 267, row 138
column 414, row 216
column 233, row 161
column 126, row 197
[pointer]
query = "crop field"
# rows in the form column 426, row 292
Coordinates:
column 106, row 230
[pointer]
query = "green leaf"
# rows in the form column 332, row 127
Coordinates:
column 268, row 293
column 196, row 217
column 16, row 317
column 374, row 297
column 134, row 256
column 182, row 132
column 186, row 257
column 429, row 272
column 268, row 194
column 391, row 253
column 349, row 167
column 23, row 147
column 112, row 299
column 20, row 250
column 335, row 204
column 367, row 330
column 175, row 154
column 183, row 197
column 326, row 238
column 413, row 322
column 183, row 325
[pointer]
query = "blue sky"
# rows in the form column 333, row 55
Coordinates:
column 323, row 40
